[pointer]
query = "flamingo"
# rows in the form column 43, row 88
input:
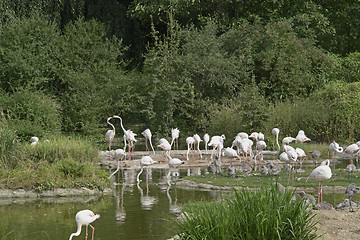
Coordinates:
column 350, row 169
column 334, row 147
column 230, row 153
column 301, row 156
column 110, row 134
column 288, row 140
column 190, row 142
column 292, row 155
column 321, row 173
column 145, row 161
column 217, row 142
column 173, row 162
column 351, row 149
column 164, row 145
column 147, row 134
column 236, row 143
column 34, row 140
column 175, row 133
column 246, row 147
column 260, row 145
column 243, row 135
column 197, row 141
column 84, row 217
column 275, row 132
column 129, row 136
column 206, row 141
column 119, row 154
column 301, row 137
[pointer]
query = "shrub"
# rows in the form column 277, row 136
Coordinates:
column 249, row 215
column 31, row 113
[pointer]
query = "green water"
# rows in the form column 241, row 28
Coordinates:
column 130, row 212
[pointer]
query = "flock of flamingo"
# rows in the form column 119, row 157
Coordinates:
column 242, row 142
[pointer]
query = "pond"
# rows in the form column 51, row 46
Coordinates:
column 131, row 212
column 144, row 211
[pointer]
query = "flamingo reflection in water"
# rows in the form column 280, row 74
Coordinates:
column 173, row 207
column 147, row 202
column 120, row 213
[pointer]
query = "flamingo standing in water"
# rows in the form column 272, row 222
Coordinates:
column 110, row 134
column 321, row 173
column 84, row 217
column 129, row 136
column 145, row 161
column 173, row 162
column 147, row 134
column 175, row 133
column 275, row 132
column 206, row 141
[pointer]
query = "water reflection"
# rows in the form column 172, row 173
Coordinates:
column 147, row 201
column 173, row 207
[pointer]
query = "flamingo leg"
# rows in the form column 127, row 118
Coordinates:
column 86, row 234
column 92, row 238
column 319, row 195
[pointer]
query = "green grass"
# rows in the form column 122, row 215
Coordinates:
column 340, row 178
column 262, row 214
column 62, row 162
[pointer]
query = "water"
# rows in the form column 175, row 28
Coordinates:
column 145, row 211
column 131, row 212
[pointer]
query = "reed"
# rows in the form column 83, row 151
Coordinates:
column 262, row 214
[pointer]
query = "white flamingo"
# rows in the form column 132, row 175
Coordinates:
column 84, row 217
column 129, row 135
column 147, row 134
column 164, row 145
column 175, row 133
column 119, row 154
column 301, row 137
column 260, row 146
column 275, row 132
column 301, row 156
column 230, row 153
column 190, row 144
column 321, row 173
column 110, row 134
column 34, row 140
column 292, row 155
column 145, row 161
column 173, row 162
column 217, row 142
column 288, row 140
column 197, row 142
column 206, row 141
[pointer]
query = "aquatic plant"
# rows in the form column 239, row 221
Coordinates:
column 264, row 214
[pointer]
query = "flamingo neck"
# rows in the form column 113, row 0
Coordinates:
column 137, row 178
column 77, row 233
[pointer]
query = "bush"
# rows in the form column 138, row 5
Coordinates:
column 31, row 113
column 249, row 215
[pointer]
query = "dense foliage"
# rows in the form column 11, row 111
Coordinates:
column 216, row 66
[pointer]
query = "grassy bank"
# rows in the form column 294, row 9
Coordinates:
column 61, row 162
